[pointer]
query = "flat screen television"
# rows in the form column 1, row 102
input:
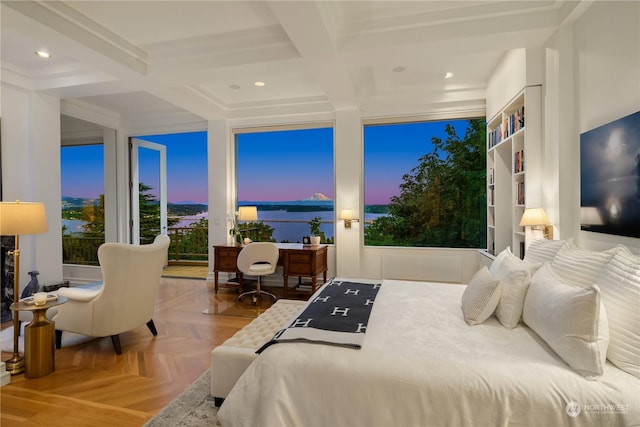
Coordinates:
column 610, row 178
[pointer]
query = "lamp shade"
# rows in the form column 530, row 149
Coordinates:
column 20, row 218
column 347, row 214
column 247, row 213
column 534, row 216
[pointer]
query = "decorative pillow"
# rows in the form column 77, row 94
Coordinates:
column 571, row 319
column 495, row 265
column 542, row 250
column 515, row 276
column 481, row 297
column 619, row 284
column 580, row 266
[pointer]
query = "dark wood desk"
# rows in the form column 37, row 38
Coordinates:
column 297, row 260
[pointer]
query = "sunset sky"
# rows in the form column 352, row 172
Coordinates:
column 273, row 166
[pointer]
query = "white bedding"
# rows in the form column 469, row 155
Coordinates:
column 422, row 365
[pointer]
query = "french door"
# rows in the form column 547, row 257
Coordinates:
column 148, row 190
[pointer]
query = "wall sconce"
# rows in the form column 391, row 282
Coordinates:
column 537, row 219
column 347, row 216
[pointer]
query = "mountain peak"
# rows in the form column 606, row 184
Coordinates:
column 317, row 196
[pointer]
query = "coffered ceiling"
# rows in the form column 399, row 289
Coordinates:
column 192, row 60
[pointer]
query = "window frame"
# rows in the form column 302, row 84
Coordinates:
column 400, row 120
column 252, row 129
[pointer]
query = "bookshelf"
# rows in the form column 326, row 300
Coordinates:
column 513, row 169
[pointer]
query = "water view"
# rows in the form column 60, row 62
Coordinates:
column 290, row 220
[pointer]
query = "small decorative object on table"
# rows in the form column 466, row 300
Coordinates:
column 316, row 234
column 306, row 240
column 235, row 231
column 33, row 286
column 40, row 298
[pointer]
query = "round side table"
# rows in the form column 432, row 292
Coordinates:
column 39, row 346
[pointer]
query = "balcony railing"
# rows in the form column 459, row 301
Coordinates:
column 188, row 244
column 81, row 250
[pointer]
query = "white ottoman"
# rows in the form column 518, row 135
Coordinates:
column 233, row 357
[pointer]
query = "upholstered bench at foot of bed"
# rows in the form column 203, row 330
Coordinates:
column 233, row 357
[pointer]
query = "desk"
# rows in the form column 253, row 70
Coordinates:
column 297, row 260
column 39, row 348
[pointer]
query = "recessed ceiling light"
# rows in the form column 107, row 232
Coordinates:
column 399, row 69
column 448, row 75
column 234, row 86
column 43, row 54
column 259, row 84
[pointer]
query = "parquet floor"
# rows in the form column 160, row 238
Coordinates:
column 92, row 386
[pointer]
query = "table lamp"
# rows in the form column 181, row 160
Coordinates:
column 247, row 214
column 19, row 218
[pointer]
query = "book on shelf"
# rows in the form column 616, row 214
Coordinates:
column 518, row 161
column 510, row 125
column 520, row 193
column 491, row 176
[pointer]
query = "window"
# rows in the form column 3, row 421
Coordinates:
column 424, row 184
column 82, row 173
column 288, row 175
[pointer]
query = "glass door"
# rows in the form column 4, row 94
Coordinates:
column 148, row 190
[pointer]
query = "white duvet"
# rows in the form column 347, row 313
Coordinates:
column 422, row 365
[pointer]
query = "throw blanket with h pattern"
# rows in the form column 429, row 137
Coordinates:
column 337, row 315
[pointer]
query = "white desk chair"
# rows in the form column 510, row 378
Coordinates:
column 258, row 259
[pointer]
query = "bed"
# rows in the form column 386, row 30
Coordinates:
column 422, row 364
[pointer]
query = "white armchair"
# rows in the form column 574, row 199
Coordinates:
column 130, row 278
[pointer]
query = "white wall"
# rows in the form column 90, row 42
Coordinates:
column 592, row 77
column 607, row 74
column 30, row 158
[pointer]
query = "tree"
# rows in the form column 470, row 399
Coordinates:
column 149, row 209
column 94, row 217
column 442, row 200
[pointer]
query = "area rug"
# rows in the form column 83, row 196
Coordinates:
column 193, row 407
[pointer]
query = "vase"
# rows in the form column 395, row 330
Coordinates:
column 315, row 240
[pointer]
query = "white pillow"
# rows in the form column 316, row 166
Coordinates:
column 481, row 297
column 515, row 276
column 571, row 319
column 542, row 250
column 495, row 265
column 581, row 266
column 619, row 284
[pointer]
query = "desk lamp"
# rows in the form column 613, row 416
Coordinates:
column 247, row 214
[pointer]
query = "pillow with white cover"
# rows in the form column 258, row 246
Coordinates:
column 497, row 262
column 570, row 319
column 581, row 267
column 619, row 284
column 481, row 297
column 542, row 250
column 515, row 276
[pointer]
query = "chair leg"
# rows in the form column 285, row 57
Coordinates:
column 58, row 339
column 115, row 339
column 256, row 293
column 152, row 327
